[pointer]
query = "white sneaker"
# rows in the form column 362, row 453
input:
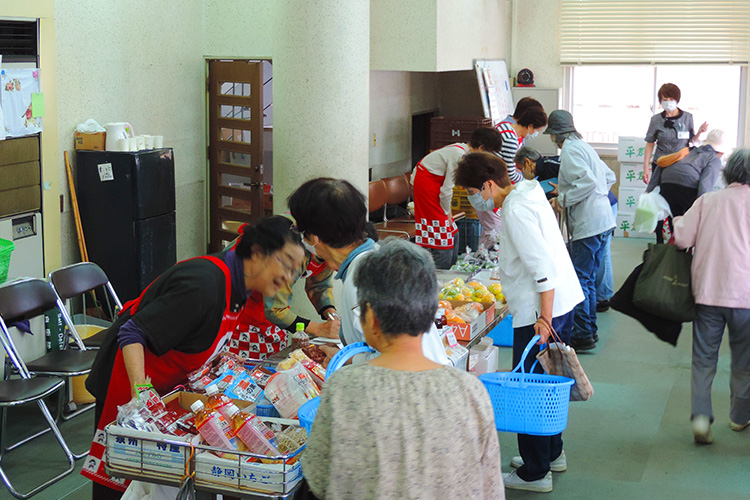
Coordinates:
column 560, row 464
column 702, row 429
column 739, row 427
column 514, row 482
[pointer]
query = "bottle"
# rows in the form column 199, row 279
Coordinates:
column 299, row 337
column 217, row 401
column 253, row 432
column 214, row 428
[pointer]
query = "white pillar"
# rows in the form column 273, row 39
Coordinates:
column 321, row 68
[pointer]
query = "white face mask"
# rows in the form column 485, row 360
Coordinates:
column 533, row 134
column 310, row 248
column 480, row 204
column 669, row 105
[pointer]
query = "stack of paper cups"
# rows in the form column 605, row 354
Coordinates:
column 158, row 141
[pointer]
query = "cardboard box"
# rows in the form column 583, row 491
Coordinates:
column 90, row 142
column 467, row 331
column 154, row 456
column 20, row 200
column 631, row 149
column 631, row 175
column 624, row 227
column 21, row 150
column 627, row 200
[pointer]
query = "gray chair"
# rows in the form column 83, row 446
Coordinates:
column 27, row 298
column 78, row 280
column 28, row 389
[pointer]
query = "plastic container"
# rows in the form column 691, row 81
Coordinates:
column 264, row 408
column 285, row 394
column 502, row 334
column 529, row 403
column 484, row 357
column 469, row 231
column 6, row 247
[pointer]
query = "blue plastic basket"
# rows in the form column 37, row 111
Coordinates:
column 264, row 408
column 306, row 412
column 502, row 334
column 529, row 403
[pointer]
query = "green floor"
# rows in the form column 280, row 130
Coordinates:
column 632, row 440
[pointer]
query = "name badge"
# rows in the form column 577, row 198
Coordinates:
column 683, row 134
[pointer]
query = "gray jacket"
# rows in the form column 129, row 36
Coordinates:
column 584, row 186
column 698, row 170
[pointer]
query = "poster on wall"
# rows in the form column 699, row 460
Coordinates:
column 2, row 122
column 17, row 87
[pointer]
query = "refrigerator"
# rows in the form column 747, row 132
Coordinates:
column 127, row 206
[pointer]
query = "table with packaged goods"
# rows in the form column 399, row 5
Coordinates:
column 167, row 459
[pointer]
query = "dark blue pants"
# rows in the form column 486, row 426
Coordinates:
column 586, row 255
column 537, row 451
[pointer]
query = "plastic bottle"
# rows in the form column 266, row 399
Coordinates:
column 253, row 432
column 217, row 401
column 214, row 428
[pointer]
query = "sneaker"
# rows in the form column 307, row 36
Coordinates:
column 602, row 306
column 739, row 427
column 596, row 337
column 702, row 429
column 560, row 464
column 582, row 345
column 514, row 482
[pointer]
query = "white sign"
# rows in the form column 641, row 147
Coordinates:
column 105, row 172
column 631, row 149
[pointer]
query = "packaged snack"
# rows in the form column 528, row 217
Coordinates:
column 285, row 394
column 317, row 372
column 244, row 388
column 261, row 376
column 226, row 379
column 315, row 353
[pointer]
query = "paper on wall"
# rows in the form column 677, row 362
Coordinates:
column 17, row 85
column 2, row 122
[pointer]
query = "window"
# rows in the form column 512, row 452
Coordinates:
column 609, row 101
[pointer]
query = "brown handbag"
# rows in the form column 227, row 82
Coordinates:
column 560, row 359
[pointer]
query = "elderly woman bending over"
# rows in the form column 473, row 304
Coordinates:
column 392, row 427
column 718, row 226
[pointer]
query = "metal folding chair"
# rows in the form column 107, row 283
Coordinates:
column 28, row 389
column 28, row 298
column 78, row 280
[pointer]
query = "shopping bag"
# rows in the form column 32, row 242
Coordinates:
column 560, row 359
column 664, row 286
column 146, row 491
column 652, row 207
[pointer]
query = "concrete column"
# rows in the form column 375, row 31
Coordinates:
column 321, row 67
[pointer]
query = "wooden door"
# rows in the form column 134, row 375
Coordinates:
column 235, row 147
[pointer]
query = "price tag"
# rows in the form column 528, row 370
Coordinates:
column 450, row 335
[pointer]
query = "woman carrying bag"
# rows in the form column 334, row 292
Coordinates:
column 540, row 284
column 718, row 226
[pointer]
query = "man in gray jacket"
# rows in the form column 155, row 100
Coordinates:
column 584, row 183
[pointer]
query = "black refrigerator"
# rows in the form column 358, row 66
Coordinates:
column 127, row 206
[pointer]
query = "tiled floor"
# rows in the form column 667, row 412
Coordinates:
column 632, row 440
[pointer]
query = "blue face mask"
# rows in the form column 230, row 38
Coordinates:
column 480, row 204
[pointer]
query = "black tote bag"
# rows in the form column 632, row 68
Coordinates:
column 664, row 286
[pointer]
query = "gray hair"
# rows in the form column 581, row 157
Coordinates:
column 526, row 153
column 560, row 138
column 398, row 281
column 738, row 167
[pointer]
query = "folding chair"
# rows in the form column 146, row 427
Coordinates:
column 27, row 298
column 28, row 389
column 80, row 279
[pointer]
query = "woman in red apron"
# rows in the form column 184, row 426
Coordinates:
column 179, row 322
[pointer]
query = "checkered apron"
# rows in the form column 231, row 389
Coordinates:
column 434, row 229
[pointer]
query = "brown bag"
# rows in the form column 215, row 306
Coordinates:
column 560, row 359
column 667, row 160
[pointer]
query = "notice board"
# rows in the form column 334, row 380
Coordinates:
column 494, row 88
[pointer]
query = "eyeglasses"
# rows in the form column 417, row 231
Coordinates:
column 359, row 308
column 291, row 269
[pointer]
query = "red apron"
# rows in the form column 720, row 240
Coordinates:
column 166, row 372
column 434, row 229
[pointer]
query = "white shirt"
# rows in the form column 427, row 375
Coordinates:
column 584, row 184
column 351, row 328
column 533, row 257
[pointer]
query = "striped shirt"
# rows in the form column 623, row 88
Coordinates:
column 508, row 151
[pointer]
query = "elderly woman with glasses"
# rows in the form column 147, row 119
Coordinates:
column 718, row 227
column 331, row 214
column 401, row 425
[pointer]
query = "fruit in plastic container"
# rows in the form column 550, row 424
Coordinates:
column 495, row 288
column 453, row 318
column 457, row 282
column 444, row 304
